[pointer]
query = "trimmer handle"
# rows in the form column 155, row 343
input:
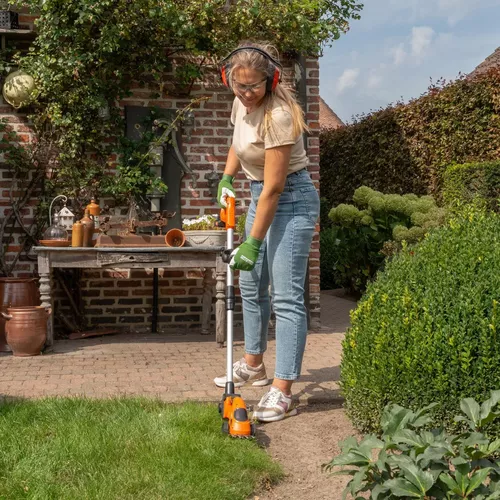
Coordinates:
column 228, row 214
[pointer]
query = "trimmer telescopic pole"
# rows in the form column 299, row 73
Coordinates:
column 232, row 407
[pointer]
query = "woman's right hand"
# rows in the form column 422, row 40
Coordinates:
column 225, row 189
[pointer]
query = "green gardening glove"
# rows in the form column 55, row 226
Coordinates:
column 245, row 256
column 225, row 189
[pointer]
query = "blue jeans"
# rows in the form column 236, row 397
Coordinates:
column 282, row 263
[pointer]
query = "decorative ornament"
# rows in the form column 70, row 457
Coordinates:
column 18, row 88
column 66, row 218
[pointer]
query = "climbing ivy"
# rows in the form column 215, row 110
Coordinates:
column 88, row 55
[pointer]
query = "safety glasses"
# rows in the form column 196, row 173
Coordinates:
column 240, row 87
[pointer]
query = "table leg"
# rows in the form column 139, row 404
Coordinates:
column 46, row 298
column 208, row 293
column 220, row 304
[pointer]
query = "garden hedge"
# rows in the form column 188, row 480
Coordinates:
column 427, row 329
column 406, row 148
column 473, row 183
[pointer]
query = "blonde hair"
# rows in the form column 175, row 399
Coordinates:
column 254, row 60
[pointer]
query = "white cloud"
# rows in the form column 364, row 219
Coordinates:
column 398, row 54
column 456, row 10
column 374, row 80
column 347, row 80
column 421, row 39
column 414, row 11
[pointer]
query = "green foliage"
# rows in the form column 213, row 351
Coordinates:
column 477, row 183
column 356, row 245
column 407, row 147
column 134, row 177
column 412, row 462
column 427, row 328
column 240, row 224
column 88, row 55
column 27, row 171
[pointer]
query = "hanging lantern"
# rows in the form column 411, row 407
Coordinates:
column 66, row 218
column 18, row 88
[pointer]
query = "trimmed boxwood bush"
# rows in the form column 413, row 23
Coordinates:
column 477, row 183
column 428, row 328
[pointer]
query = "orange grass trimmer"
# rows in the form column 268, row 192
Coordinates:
column 232, row 407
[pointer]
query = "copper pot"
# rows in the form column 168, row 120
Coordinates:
column 15, row 292
column 26, row 329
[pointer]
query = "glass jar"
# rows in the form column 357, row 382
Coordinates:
column 56, row 231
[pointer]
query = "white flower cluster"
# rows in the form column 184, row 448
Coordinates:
column 203, row 218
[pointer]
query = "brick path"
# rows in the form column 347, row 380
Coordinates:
column 173, row 367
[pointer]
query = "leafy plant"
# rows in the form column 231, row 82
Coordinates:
column 426, row 330
column 477, row 183
column 26, row 167
column 134, row 177
column 356, row 243
column 240, row 224
column 88, row 55
column 410, row 461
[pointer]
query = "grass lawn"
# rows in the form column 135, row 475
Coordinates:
column 124, row 448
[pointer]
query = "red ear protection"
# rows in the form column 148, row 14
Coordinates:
column 273, row 73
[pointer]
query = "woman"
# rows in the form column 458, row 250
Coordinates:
column 268, row 146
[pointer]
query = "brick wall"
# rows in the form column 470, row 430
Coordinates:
column 124, row 298
column 18, row 122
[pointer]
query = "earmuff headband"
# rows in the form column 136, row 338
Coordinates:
column 255, row 49
column 275, row 68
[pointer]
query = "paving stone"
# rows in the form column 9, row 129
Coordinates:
column 171, row 367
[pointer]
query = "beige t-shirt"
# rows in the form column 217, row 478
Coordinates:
column 250, row 140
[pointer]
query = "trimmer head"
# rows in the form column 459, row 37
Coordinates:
column 235, row 417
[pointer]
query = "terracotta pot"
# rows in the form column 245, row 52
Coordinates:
column 26, row 329
column 15, row 292
column 175, row 238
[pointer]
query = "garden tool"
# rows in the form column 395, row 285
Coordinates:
column 232, row 408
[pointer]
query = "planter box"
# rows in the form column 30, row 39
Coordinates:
column 210, row 238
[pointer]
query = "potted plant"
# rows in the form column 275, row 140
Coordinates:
column 204, row 230
column 208, row 230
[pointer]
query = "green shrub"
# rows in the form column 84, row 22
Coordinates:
column 411, row 462
column 407, row 147
column 328, row 243
column 477, row 183
column 324, row 210
column 356, row 246
column 346, row 259
column 427, row 329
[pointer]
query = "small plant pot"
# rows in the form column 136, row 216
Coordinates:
column 175, row 238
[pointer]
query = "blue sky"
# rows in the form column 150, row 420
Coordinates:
column 398, row 46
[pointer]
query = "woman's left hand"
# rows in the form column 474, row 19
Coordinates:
column 245, row 256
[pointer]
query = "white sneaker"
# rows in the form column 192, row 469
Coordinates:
column 274, row 406
column 242, row 373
